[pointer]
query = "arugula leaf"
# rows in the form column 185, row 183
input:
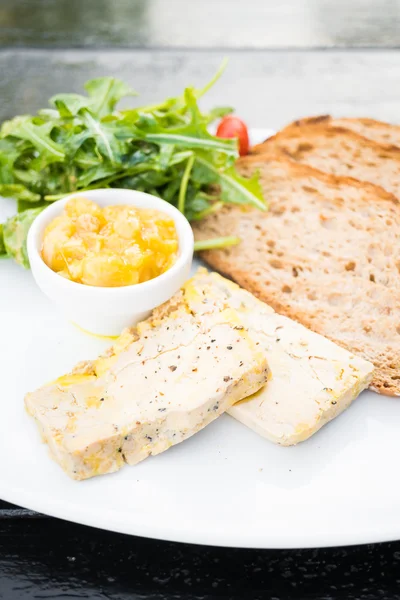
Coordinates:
column 233, row 187
column 179, row 157
column 96, row 173
column 18, row 191
column 8, row 155
column 25, row 128
column 23, row 205
column 28, row 177
column 68, row 105
column 185, row 140
column 105, row 93
column 165, row 155
column 104, row 135
column 15, row 231
column 82, row 142
column 193, row 134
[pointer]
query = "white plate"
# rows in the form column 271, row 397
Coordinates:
column 224, row 486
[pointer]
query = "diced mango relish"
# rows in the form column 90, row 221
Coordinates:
column 108, row 247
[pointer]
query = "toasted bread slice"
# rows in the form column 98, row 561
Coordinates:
column 338, row 151
column 378, row 131
column 325, row 254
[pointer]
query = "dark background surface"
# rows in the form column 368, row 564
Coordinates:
column 47, row 558
column 287, row 59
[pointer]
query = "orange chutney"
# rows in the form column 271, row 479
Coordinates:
column 108, row 247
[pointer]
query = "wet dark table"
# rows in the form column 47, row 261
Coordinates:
column 47, row 558
column 287, row 59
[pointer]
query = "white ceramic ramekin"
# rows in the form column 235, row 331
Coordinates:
column 101, row 310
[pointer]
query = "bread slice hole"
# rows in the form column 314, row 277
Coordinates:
column 276, row 264
column 286, row 289
column 350, row 266
column 309, row 189
column 303, row 147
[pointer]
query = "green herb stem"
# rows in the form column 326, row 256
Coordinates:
column 208, row 211
column 214, row 243
column 217, row 75
column 184, row 184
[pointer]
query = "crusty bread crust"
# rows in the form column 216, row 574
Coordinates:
column 377, row 131
column 300, row 170
column 337, row 151
column 325, row 254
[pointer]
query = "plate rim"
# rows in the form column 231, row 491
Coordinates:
column 185, row 535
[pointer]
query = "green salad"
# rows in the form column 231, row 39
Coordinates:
column 84, row 142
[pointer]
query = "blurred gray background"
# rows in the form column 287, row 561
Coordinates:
column 288, row 58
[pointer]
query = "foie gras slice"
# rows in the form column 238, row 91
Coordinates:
column 160, row 383
column 312, row 379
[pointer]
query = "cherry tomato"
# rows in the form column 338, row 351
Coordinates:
column 231, row 127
